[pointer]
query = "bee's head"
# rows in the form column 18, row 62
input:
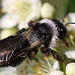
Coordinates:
column 61, row 29
column 58, row 29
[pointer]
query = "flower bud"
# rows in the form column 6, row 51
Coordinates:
column 70, row 69
column 48, row 11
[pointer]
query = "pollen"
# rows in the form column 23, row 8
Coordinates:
column 42, row 72
column 22, row 71
column 45, row 58
column 27, row 62
column 39, row 64
column 35, row 69
column 66, row 19
column 39, row 68
column 26, row 67
column 26, row 73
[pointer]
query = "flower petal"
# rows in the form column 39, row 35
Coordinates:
column 25, row 10
column 72, row 16
column 70, row 69
column 23, row 25
column 8, row 32
column 27, row 67
column 48, row 11
column 72, row 19
column 70, row 54
column 8, row 71
column 55, row 66
column 32, row 13
column 8, row 21
column 56, row 73
column 36, row 9
column 8, row 5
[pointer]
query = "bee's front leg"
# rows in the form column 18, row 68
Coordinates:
column 56, row 56
column 46, row 52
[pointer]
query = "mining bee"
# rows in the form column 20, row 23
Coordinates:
column 43, row 34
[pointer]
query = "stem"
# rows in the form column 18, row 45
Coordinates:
column 62, row 66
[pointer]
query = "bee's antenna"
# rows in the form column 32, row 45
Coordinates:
column 67, row 11
column 69, row 23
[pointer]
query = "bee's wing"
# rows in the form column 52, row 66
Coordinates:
column 28, row 48
column 9, row 45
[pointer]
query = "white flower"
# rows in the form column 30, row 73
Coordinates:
column 70, row 54
column 72, row 19
column 70, row 69
column 26, row 68
column 40, row 65
column 19, row 12
column 8, row 71
column 48, row 11
column 8, row 32
column 8, row 20
column 56, row 73
column 55, row 66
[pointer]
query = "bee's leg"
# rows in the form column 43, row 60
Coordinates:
column 45, row 47
column 20, row 31
column 55, row 55
column 31, row 53
column 65, row 42
column 45, row 51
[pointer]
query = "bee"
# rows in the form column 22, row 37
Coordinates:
column 43, row 34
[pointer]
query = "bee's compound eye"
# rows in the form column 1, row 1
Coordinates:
column 61, row 28
column 62, row 32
